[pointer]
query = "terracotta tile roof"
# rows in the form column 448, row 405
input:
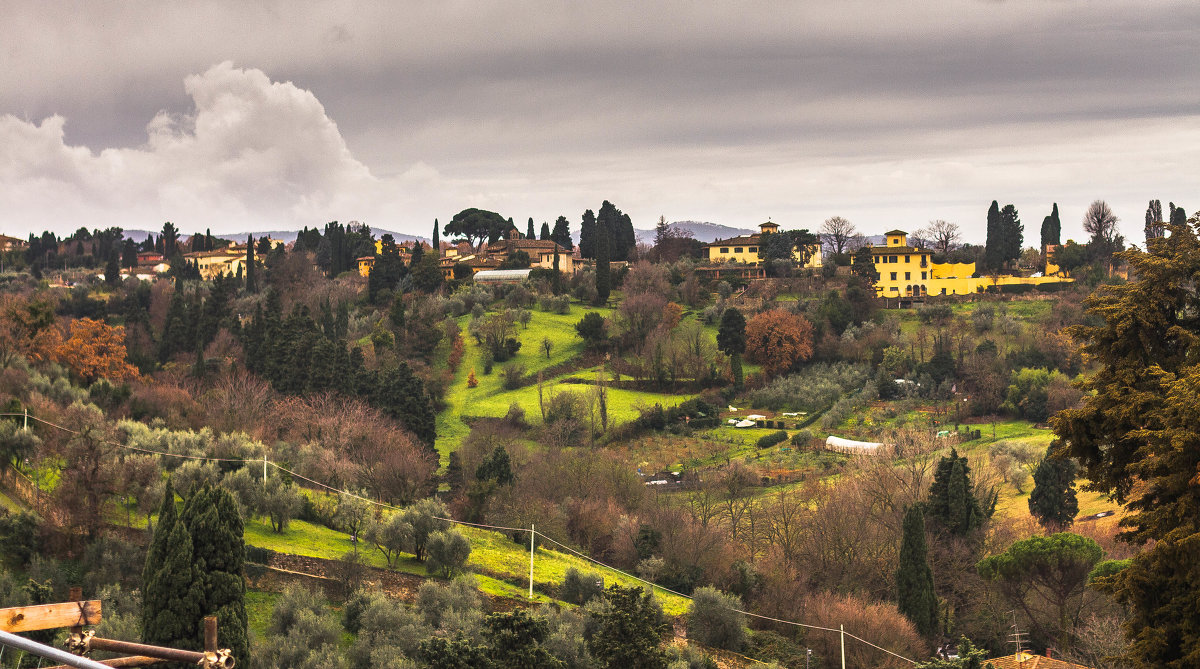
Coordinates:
column 886, row 250
column 1031, row 661
column 509, row 245
column 749, row 240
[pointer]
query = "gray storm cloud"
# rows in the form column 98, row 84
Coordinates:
column 890, row 114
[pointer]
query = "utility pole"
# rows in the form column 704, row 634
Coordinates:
column 843, row 639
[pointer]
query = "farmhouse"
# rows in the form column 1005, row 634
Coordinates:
column 746, row 249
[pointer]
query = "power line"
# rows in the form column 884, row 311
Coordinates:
column 465, row 523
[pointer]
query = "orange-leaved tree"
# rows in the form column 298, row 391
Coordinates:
column 778, row 339
column 93, row 350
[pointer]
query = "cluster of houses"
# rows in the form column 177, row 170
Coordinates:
column 905, row 271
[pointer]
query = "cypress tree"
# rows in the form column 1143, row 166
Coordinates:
column 952, row 502
column 437, row 242
column 112, row 270
column 251, row 270
column 603, row 274
column 529, row 234
column 562, row 233
column 587, row 235
column 1013, row 233
column 171, row 609
column 1051, row 228
column 731, row 340
column 211, row 513
column 152, row 599
column 1052, row 501
column 914, row 580
column 993, row 252
column 1178, row 215
column 545, row 231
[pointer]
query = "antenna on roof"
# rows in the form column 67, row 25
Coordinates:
column 1016, row 636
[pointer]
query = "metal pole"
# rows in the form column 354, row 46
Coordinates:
column 48, row 652
column 843, row 634
column 264, row 469
column 532, row 534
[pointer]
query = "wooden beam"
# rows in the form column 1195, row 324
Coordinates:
column 50, row 616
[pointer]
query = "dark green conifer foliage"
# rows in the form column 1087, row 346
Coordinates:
column 153, row 600
column 1051, row 228
column 562, row 233
column 174, row 595
column 496, row 467
column 1052, row 501
column 402, row 396
column 914, row 580
column 630, row 632
column 587, row 235
column 863, row 265
column 731, row 340
column 251, row 268
column 1013, row 233
column 516, row 640
column 545, row 234
column 212, row 519
column 603, row 272
column 437, row 242
column 994, row 247
column 952, row 502
column 112, row 270
column 529, row 234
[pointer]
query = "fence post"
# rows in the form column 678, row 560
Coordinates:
column 843, row 635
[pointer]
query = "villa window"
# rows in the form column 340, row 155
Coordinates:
column 737, row 250
column 754, row 249
column 907, row 258
column 922, row 276
column 724, row 249
column 907, row 276
column 893, row 259
column 893, row 276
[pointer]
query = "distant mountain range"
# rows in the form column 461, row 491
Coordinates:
column 288, row 236
column 702, row 231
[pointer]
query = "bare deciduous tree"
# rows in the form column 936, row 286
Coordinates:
column 944, row 235
column 836, row 232
column 1100, row 222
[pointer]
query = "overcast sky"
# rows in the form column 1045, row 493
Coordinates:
column 234, row 115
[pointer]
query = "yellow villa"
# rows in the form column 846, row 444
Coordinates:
column 745, row 249
column 909, row 271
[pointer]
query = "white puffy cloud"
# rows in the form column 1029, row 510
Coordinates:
column 252, row 152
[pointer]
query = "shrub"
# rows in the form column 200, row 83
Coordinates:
column 579, row 588
column 512, row 376
column 769, row 440
column 714, row 620
column 802, row 439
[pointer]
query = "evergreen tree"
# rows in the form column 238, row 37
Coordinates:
column 952, row 502
column 1052, row 501
column 437, row 244
column 603, row 274
column 154, row 599
column 251, row 266
column 914, row 580
column 529, row 234
column 174, row 595
column 587, row 235
column 402, row 396
column 994, row 247
column 731, row 340
column 618, row 229
column 863, row 266
column 1178, row 215
column 1013, row 233
column 1051, row 228
column 1135, row 437
column 545, row 231
column 112, row 270
column 212, row 514
column 496, row 467
column 629, row 632
column 1155, row 227
column 562, row 233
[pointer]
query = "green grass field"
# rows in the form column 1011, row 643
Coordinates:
column 490, row 399
column 501, row 566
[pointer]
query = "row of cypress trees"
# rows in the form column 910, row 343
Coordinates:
column 194, row 568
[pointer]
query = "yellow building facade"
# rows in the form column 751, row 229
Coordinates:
column 746, row 249
column 909, row 271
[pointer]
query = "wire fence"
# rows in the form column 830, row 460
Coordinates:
column 653, row 586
